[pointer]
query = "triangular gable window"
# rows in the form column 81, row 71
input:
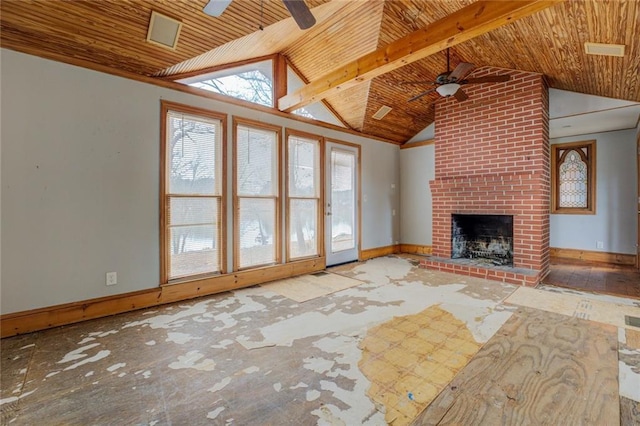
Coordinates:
column 255, row 82
column 251, row 82
column 318, row 110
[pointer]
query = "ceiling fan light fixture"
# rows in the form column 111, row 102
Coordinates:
column 448, row 89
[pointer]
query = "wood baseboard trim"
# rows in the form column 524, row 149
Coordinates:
column 379, row 251
column 69, row 313
column 594, row 256
column 416, row 249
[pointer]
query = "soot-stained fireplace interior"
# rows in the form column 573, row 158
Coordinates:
column 485, row 239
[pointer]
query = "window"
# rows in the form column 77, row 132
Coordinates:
column 256, row 183
column 250, row 82
column 192, row 185
column 261, row 82
column 573, row 178
column 318, row 110
column 303, row 195
column 343, row 199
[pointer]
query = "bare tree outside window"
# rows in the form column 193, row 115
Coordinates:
column 193, row 194
column 252, row 86
column 256, row 158
column 303, row 196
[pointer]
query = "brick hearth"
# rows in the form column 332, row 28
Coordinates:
column 492, row 157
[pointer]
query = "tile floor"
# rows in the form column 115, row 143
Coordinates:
column 255, row 357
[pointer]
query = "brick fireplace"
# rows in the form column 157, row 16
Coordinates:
column 492, row 158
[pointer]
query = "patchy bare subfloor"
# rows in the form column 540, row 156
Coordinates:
column 253, row 356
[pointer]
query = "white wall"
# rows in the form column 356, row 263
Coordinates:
column 381, row 196
column 80, row 172
column 615, row 222
column 417, row 168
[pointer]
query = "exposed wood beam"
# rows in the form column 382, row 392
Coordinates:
column 471, row 21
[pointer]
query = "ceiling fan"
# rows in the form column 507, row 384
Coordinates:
column 449, row 83
column 297, row 8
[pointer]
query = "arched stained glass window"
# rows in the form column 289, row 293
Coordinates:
column 573, row 178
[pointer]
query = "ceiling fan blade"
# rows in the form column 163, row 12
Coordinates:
column 461, row 71
column 216, row 7
column 300, row 13
column 487, row 79
column 460, row 95
column 416, row 97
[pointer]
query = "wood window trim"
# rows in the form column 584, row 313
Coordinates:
column 165, row 107
column 320, row 198
column 590, row 145
column 238, row 121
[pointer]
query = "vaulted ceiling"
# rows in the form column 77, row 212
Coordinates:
column 112, row 34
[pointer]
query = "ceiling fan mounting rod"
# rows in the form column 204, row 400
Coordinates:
column 448, row 67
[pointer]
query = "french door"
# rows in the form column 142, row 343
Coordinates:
column 341, row 203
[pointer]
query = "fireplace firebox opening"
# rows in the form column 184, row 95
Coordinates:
column 484, row 239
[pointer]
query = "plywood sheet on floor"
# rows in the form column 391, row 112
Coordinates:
column 311, row 286
column 539, row 368
column 574, row 305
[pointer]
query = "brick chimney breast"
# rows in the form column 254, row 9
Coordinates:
column 492, row 157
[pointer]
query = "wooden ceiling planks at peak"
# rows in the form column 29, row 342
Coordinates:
column 401, row 17
column 476, row 19
column 349, row 34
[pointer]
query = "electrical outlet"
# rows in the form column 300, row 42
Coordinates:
column 393, row 212
column 112, row 278
column 599, row 244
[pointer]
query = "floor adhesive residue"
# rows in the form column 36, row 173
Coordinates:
column 410, row 359
column 253, row 356
column 575, row 304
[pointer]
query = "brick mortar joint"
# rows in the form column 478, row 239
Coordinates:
column 500, row 178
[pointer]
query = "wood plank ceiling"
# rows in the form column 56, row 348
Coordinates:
column 112, row 34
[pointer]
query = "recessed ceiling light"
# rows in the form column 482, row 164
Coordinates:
column 604, row 49
column 384, row 110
